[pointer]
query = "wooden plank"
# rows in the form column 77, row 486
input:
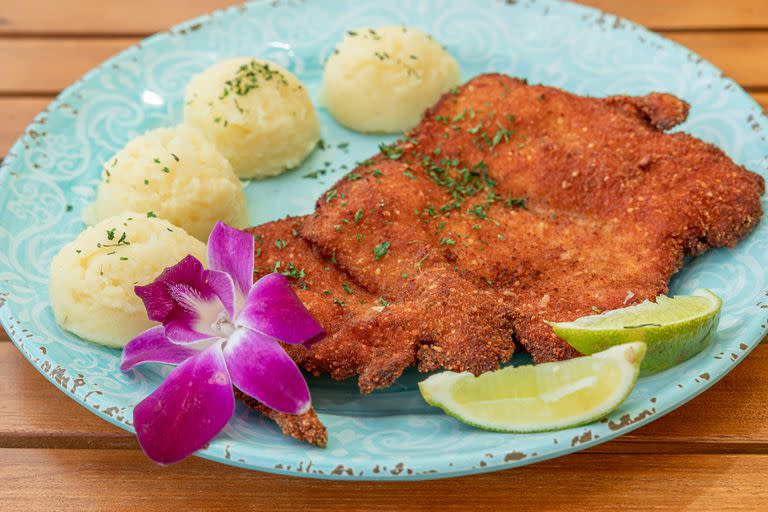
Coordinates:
column 45, row 66
column 688, row 14
column 143, row 17
column 98, row 479
column 740, row 55
column 139, row 17
column 762, row 99
column 33, row 412
column 728, row 418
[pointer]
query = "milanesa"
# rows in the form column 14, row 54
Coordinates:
column 507, row 205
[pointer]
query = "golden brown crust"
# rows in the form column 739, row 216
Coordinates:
column 305, row 427
column 376, row 336
column 612, row 205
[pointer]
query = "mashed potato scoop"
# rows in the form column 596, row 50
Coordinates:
column 258, row 114
column 382, row 80
column 92, row 277
column 173, row 173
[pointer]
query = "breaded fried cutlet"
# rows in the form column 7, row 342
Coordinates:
column 508, row 205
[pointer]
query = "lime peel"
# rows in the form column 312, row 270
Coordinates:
column 674, row 328
column 549, row 396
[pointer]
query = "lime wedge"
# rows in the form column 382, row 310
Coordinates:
column 548, row 396
column 674, row 329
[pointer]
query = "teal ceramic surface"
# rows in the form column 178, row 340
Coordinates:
column 52, row 172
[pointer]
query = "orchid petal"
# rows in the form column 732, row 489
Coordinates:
column 262, row 369
column 231, row 251
column 189, row 408
column 157, row 299
column 189, row 300
column 222, row 285
column 153, row 346
column 273, row 309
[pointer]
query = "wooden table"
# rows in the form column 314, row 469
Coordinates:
column 710, row 454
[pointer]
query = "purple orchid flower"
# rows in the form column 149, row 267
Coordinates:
column 220, row 329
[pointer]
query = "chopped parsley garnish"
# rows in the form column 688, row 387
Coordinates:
column 347, row 288
column 175, row 157
column 340, row 303
column 479, row 211
column 293, row 271
column 384, row 302
column 380, row 250
column 280, row 244
column 409, row 175
column 638, row 326
column 330, row 195
column 315, row 174
column 151, row 215
column 250, row 76
column 156, row 160
column 358, row 215
column 111, row 236
column 447, row 241
column 418, row 263
column 515, row 201
column 391, row 151
column 353, row 177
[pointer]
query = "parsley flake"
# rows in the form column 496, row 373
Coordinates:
column 380, row 250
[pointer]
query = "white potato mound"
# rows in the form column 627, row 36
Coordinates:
column 92, row 277
column 176, row 174
column 257, row 113
column 383, row 80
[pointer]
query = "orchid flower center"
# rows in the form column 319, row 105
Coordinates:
column 223, row 326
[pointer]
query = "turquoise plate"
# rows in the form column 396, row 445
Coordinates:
column 52, row 172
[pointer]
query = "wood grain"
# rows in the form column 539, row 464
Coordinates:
column 688, row 14
column 34, row 413
column 45, row 66
column 99, row 479
column 142, row 17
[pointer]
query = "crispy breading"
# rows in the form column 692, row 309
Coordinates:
column 508, row 205
column 612, row 203
column 377, row 335
column 305, row 427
